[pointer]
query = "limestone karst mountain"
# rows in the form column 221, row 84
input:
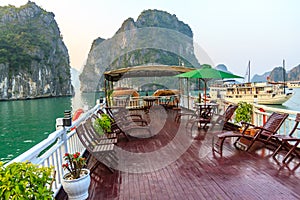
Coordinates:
column 155, row 37
column 34, row 61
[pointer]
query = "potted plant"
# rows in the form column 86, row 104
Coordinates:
column 103, row 124
column 24, row 180
column 109, row 97
column 77, row 180
column 243, row 114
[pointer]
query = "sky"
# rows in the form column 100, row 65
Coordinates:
column 231, row 32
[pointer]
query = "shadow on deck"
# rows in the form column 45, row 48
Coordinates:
column 174, row 165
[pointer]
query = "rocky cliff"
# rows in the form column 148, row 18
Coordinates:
column 294, row 74
column 260, row 78
column 34, row 61
column 155, row 37
column 277, row 75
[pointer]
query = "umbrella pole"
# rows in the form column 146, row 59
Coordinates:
column 199, row 94
column 205, row 93
column 188, row 93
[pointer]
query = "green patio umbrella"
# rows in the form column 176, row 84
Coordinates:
column 206, row 73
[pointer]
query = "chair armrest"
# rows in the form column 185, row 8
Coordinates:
column 287, row 138
column 247, row 124
column 126, row 123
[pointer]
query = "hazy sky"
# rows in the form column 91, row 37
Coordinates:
column 231, row 32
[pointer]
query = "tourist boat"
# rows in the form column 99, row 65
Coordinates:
column 269, row 93
column 260, row 92
column 293, row 84
column 168, row 165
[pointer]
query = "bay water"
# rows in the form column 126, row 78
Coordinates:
column 25, row 123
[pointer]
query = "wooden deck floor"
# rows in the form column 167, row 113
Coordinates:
column 174, row 165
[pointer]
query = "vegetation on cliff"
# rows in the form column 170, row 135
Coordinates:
column 156, row 37
column 34, row 61
column 277, row 75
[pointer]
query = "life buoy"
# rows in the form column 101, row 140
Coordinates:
column 264, row 116
column 76, row 115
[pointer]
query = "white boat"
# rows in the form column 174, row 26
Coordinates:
column 261, row 93
column 293, row 84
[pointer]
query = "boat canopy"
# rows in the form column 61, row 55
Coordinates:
column 145, row 71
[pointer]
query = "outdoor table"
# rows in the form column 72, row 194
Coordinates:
column 205, row 110
column 164, row 100
column 149, row 101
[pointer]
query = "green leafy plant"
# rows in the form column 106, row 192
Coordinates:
column 103, row 123
column 74, row 164
column 243, row 112
column 24, row 180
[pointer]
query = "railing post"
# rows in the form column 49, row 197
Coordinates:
column 254, row 115
column 64, row 139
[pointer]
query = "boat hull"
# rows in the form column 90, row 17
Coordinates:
column 261, row 93
column 266, row 100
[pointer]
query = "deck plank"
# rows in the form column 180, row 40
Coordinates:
column 196, row 174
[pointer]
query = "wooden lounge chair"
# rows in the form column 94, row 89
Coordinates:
column 203, row 118
column 206, row 118
column 126, row 124
column 90, row 127
column 223, row 120
column 189, row 113
column 288, row 144
column 263, row 134
column 104, row 153
column 121, row 114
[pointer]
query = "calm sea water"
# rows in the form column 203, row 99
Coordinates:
column 25, row 123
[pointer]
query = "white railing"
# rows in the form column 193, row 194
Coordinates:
column 187, row 101
column 260, row 113
column 50, row 151
column 260, row 117
column 139, row 102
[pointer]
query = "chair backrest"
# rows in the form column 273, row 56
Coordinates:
column 273, row 123
column 297, row 120
column 83, row 137
column 225, row 117
column 100, row 112
column 229, row 112
column 92, row 134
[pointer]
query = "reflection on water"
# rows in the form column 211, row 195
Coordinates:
column 292, row 103
column 85, row 100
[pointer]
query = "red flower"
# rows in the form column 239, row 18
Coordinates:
column 74, row 164
column 65, row 165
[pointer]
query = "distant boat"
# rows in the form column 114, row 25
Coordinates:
column 261, row 93
column 293, row 84
column 270, row 93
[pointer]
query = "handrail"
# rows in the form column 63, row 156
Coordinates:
column 33, row 153
column 258, row 117
column 138, row 102
column 50, row 151
column 66, row 140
